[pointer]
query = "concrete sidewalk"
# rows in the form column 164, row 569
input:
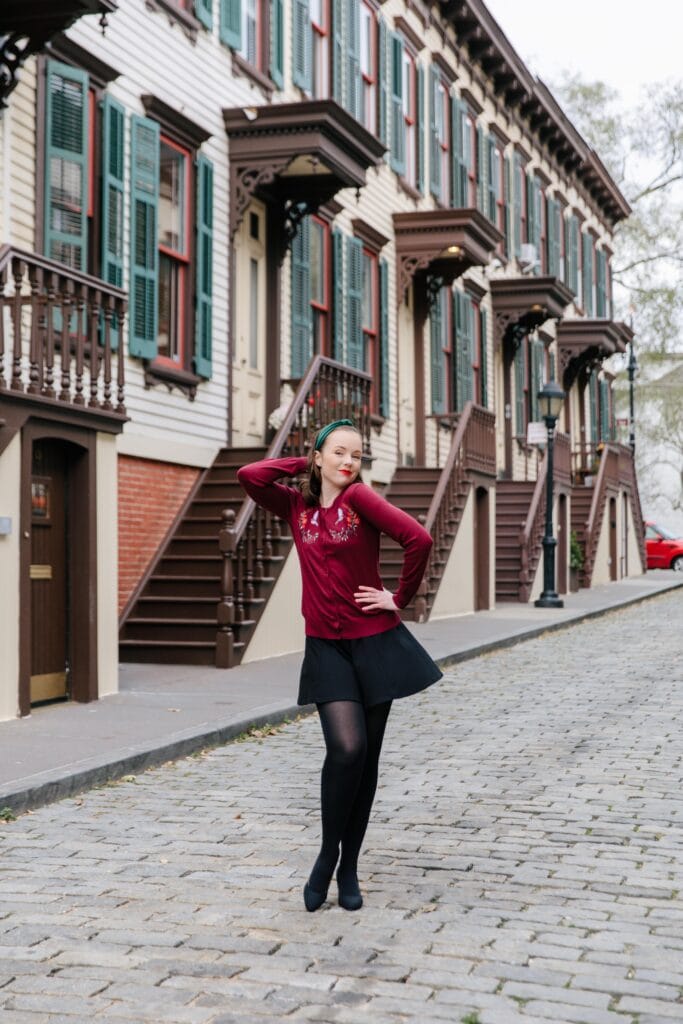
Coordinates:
column 164, row 712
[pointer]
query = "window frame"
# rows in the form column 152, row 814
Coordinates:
column 369, row 80
column 470, row 129
column 444, row 140
column 184, row 261
column 409, row 112
column 371, row 352
column 321, row 52
column 321, row 319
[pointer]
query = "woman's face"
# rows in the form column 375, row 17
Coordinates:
column 339, row 458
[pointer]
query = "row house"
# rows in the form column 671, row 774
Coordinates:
column 225, row 222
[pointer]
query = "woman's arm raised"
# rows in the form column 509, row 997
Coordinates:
column 258, row 480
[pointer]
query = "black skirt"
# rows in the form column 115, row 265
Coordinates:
column 369, row 669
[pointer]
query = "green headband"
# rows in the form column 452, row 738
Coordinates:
column 326, row 431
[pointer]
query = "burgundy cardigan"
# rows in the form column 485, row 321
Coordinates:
column 338, row 548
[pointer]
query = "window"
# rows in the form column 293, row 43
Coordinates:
column 441, row 149
column 368, row 68
column 254, row 30
column 409, row 118
column 520, row 214
column 173, row 241
column 311, row 290
column 254, row 299
column 320, row 58
column 370, row 322
column 441, row 352
column 542, row 229
column 497, row 176
column 587, row 275
column 319, row 285
column 251, row 32
column 470, row 136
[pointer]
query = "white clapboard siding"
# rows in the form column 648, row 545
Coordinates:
column 20, row 211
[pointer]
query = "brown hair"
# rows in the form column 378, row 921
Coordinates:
column 311, row 484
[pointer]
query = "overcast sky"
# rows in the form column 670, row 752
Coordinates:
column 622, row 42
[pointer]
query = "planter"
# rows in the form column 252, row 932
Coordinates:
column 573, row 580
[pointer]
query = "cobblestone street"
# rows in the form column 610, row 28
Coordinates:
column 524, row 862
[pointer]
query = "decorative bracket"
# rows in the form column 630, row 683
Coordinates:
column 12, row 57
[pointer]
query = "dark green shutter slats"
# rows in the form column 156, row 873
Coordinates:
column 552, row 365
column 420, row 128
column 483, row 358
column 537, row 353
column 509, row 213
column 277, row 43
column 337, row 50
column 587, row 272
column 604, row 411
column 113, row 130
column 355, row 356
column 204, row 273
column 520, row 373
column 482, row 175
column 66, row 165
column 530, row 210
column 384, row 399
column 143, row 295
column 601, row 283
column 460, row 158
column 464, row 348
column 492, row 181
column 203, row 9
column 437, row 355
column 302, row 328
column 550, row 237
column 338, row 296
column 572, row 259
column 353, row 77
column 383, row 72
column 518, row 185
column 434, row 148
column 593, row 404
column 230, row 26
column 398, row 156
column 302, row 45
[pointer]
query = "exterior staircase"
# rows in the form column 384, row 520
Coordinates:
column 513, row 498
column 411, row 489
column 582, row 500
column 172, row 617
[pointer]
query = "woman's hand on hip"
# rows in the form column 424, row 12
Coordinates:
column 373, row 600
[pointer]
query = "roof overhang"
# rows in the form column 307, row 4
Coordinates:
column 442, row 244
column 586, row 342
column 297, row 154
column 521, row 304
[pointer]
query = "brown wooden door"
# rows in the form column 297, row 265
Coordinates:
column 481, row 550
column 613, row 565
column 48, row 571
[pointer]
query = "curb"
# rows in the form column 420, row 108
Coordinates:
column 40, row 794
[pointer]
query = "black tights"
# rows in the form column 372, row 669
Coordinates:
column 353, row 737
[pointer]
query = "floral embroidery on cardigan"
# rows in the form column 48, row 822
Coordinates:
column 307, row 519
column 346, row 524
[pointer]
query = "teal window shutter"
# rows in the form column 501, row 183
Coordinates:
column 593, row 403
column 230, row 27
column 530, row 210
column 338, row 296
column 553, row 270
column 493, row 180
column 483, row 358
column 384, row 400
column 460, row 159
column 66, row 166
column 398, row 147
column 482, row 174
column 277, row 43
column 537, row 352
column 204, row 270
column 538, row 222
column 463, row 314
column 573, row 260
column 434, row 148
column 302, row 323
column 587, row 272
column 203, row 9
column 382, row 81
column 338, row 51
column 302, row 45
column 509, row 213
column 518, row 182
column 355, row 355
column 604, row 411
column 113, row 129
column 420, row 128
column 557, row 237
column 600, row 283
column 144, row 260
column 437, row 355
column 520, row 377
column 353, row 77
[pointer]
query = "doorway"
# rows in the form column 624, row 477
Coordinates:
column 49, row 572
column 613, row 564
column 249, row 369
column 481, row 550
column 562, row 544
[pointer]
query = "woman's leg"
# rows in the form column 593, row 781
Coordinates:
column 357, row 823
column 344, row 728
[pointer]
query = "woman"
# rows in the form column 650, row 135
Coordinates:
column 359, row 656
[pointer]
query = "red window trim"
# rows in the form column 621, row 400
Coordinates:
column 182, row 258
column 371, row 333
column 323, row 308
column 373, row 45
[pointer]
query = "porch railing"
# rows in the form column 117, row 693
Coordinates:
column 59, row 330
column 472, row 450
column 328, row 391
column 607, row 477
column 628, row 479
column 531, row 533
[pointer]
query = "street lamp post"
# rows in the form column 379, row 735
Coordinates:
column 550, row 397
column 632, row 370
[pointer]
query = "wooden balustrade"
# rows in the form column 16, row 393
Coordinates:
column 444, row 422
column 531, row 534
column 329, row 391
column 59, row 330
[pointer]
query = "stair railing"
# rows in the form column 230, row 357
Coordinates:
column 328, row 391
column 531, row 534
column 608, row 477
column 629, row 481
column 64, row 328
column 473, row 449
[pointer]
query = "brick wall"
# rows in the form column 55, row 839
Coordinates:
column 150, row 496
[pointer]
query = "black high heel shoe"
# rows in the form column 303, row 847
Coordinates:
column 313, row 900
column 350, row 897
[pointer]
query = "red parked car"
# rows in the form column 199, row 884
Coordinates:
column 664, row 551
